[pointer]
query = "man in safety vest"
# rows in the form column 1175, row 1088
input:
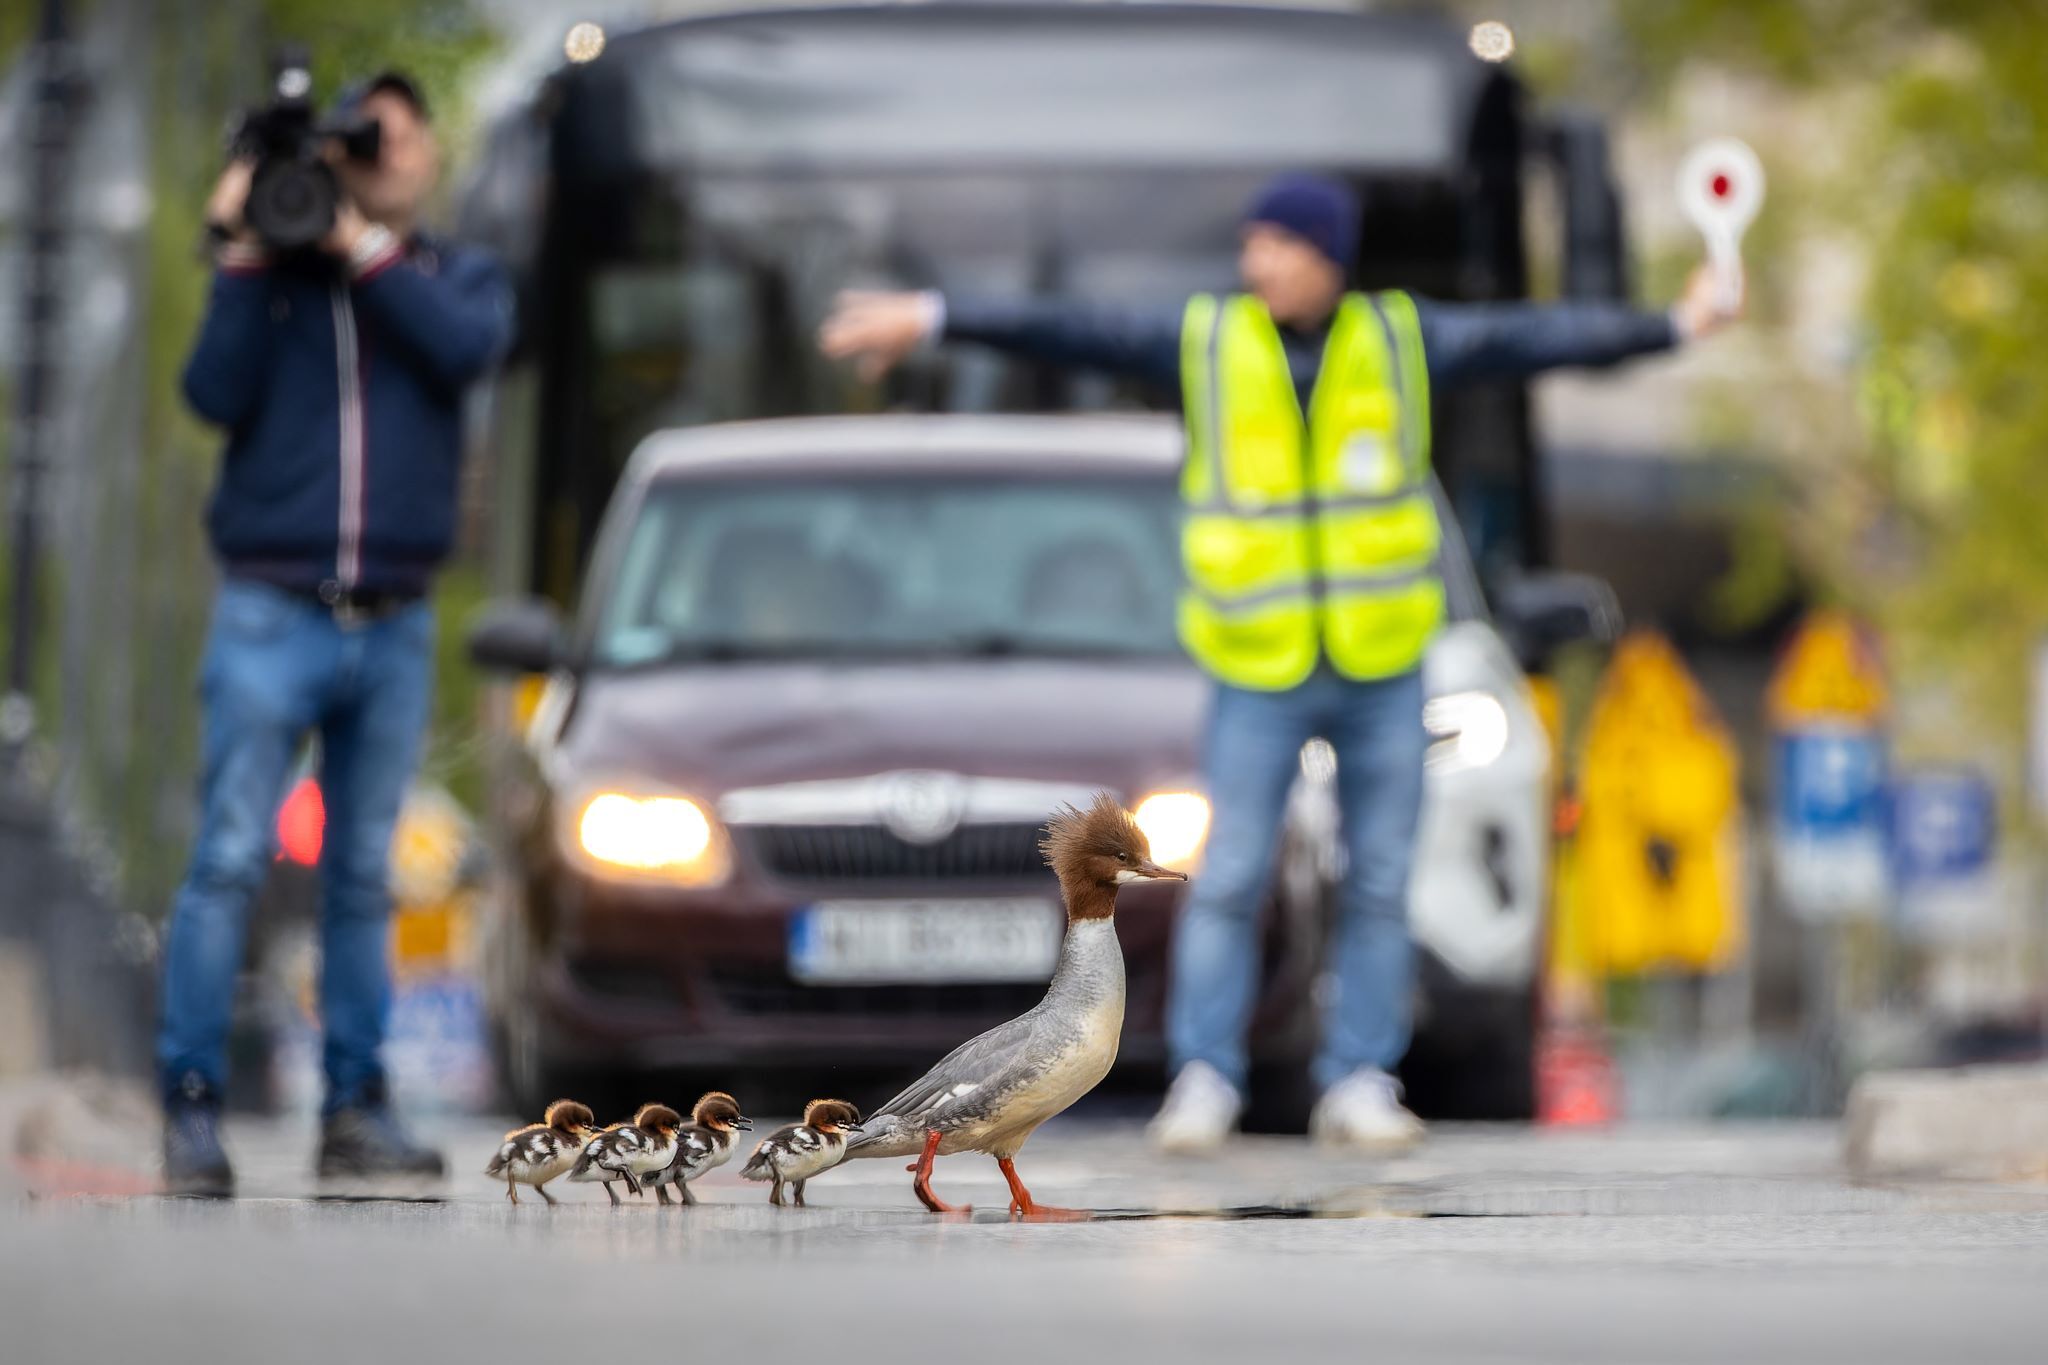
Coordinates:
column 1310, row 547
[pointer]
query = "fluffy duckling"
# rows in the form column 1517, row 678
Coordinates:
column 703, row 1144
column 625, row 1150
column 658, row 1125
column 539, row 1152
column 990, row 1093
column 802, row 1150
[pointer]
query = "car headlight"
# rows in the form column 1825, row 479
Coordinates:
column 1466, row 730
column 1175, row 824
column 663, row 838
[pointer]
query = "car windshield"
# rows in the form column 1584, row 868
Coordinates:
column 894, row 566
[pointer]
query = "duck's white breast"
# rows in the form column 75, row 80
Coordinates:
column 797, row 1164
column 1077, row 1068
column 540, row 1172
column 651, row 1157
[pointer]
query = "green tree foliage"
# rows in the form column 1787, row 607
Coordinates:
column 1939, row 171
column 438, row 41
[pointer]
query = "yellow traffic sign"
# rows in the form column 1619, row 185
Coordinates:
column 432, row 912
column 1658, row 848
column 1829, row 672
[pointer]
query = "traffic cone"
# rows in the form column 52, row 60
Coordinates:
column 1575, row 1078
column 1577, row 1085
column 301, row 822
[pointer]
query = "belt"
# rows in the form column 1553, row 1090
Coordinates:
column 352, row 605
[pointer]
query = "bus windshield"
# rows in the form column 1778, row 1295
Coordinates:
column 862, row 88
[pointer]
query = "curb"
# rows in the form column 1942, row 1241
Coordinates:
column 1971, row 1123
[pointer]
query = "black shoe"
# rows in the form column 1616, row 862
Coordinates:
column 194, row 1161
column 366, row 1141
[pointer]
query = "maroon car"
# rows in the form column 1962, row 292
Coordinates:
column 779, row 804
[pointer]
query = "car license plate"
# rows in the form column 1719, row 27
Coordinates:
column 925, row 941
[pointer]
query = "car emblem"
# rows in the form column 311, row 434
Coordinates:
column 922, row 807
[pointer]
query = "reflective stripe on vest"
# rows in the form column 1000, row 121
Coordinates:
column 1307, row 538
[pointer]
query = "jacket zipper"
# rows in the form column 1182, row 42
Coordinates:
column 1311, row 501
column 348, row 564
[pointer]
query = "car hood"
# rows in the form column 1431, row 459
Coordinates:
column 707, row 730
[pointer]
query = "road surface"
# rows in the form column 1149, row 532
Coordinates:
column 1680, row 1244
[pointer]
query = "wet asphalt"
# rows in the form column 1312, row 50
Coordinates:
column 1488, row 1244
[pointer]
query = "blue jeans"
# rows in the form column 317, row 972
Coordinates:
column 1254, row 750
column 276, row 668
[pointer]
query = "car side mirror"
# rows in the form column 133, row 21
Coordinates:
column 1540, row 610
column 518, row 635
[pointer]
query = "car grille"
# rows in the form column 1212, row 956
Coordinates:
column 870, row 853
column 625, row 981
column 747, row 989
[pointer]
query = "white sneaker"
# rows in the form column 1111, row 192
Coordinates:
column 1200, row 1111
column 1364, row 1110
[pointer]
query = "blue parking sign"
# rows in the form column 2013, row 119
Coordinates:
column 1830, row 782
column 1944, row 826
column 1828, row 832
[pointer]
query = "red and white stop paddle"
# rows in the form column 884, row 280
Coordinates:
column 1720, row 187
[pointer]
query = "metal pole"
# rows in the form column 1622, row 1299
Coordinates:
column 49, row 137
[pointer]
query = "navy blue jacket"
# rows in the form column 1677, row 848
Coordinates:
column 1461, row 342
column 341, row 391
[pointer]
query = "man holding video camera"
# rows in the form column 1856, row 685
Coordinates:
column 335, row 351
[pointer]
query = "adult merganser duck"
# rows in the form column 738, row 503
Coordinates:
column 703, row 1144
column 625, row 1151
column 801, row 1150
column 990, row 1093
column 539, row 1152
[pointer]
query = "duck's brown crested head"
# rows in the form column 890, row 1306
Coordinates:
column 570, row 1117
column 1095, row 850
column 657, row 1118
column 718, row 1110
column 830, row 1115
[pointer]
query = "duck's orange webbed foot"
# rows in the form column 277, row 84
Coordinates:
column 1024, row 1206
column 922, row 1186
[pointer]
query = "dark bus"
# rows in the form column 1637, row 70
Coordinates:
column 682, row 209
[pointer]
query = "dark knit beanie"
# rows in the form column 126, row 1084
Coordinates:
column 1319, row 210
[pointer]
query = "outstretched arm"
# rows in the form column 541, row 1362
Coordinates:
column 1142, row 343
column 877, row 330
column 1467, row 342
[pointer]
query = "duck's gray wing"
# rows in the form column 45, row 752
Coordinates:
column 966, row 1082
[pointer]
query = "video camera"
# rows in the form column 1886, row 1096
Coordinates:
column 293, row 191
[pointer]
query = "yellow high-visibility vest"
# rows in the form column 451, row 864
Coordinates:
column 1307, row 537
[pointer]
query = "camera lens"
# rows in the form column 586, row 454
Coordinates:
column 291, row 198
column 291, row 204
